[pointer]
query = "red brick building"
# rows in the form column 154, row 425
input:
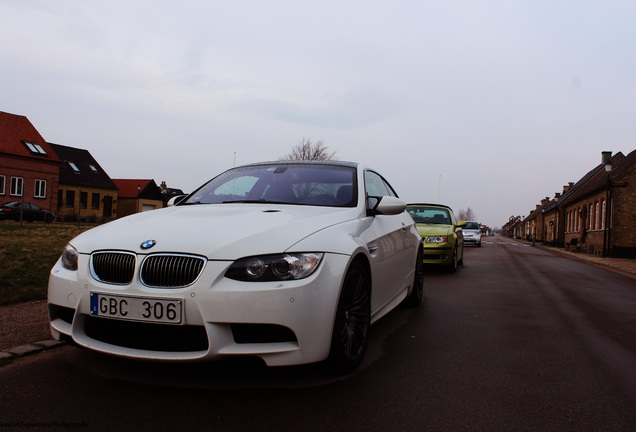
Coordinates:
column 597, row 214
column 602, row 213
column 29, row 169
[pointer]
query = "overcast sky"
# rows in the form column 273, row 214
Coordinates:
column 491, row 105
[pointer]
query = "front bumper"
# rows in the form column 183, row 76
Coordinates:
column 438, row 254
column 472, row 239
column 284, row 323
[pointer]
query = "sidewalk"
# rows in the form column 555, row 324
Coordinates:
column 626, row 266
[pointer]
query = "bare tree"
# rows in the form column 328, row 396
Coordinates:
column 466, row 215
column 307, row 150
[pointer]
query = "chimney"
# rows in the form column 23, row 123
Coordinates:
column 606, row 156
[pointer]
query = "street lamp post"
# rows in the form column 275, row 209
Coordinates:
column 608, row 211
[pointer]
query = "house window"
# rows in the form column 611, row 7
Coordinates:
column 95, row 201
column 40, row 189
column 2, row 182
column 589, row 218
column 35, row 148
column 577, row 220
column 83, row 199
column 596, row 222
column 603, row 214
column 16, row 186
column 75, row 168
column 70, row 199
column 60, row 198
column 93, row 168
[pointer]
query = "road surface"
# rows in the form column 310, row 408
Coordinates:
column 520, row 338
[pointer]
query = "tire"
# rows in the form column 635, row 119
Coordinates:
column 350, row 335
column 416, row 297
column 454, row 263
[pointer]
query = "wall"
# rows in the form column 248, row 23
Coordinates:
column 30, row 171
column 90, row 214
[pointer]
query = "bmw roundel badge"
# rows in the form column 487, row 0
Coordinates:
column 148, row 244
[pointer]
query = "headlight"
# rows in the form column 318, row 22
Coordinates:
column 69, row 257
column 269, row 268
column 437, row 239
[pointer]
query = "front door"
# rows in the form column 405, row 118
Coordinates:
column 108, row 206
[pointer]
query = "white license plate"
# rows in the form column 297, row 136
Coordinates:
column 144, row 309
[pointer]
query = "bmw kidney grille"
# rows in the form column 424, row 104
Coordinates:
column 157, row 271
column 113, row 267
column 171, row 271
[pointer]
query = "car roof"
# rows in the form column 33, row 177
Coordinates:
column 429, row 205
column 303, row 162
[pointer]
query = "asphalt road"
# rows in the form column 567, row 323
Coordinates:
column 520, row 338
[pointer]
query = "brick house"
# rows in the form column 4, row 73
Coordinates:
column 513, row 228
column 29, row 168
column 137, row 195
column 594, row 215
column 85, row 191
column 601, row 214
column 534, row 223
column 553, row 218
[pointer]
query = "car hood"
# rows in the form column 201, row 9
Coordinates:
column 217, row 231
column 426, row 230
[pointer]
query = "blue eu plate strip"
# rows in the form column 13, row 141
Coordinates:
column 94, row 304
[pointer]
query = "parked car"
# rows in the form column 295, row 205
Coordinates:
column 472, row 233
column 442, row 234
column 30, row 212
column 287, row 261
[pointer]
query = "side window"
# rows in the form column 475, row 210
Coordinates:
column 376, row 186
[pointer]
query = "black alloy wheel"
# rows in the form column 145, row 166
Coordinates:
column 353, row 319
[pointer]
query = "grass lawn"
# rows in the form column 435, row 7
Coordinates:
column 27, row 255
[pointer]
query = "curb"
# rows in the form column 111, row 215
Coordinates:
column 28, row 349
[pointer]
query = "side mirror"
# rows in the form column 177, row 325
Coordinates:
column 387, row 205
column 461, row 224
column 176, row 200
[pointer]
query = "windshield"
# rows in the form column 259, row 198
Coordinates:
column 432, row 215
column 304, row 184
column 472, row 225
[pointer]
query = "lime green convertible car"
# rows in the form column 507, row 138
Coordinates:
column 442, row 234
